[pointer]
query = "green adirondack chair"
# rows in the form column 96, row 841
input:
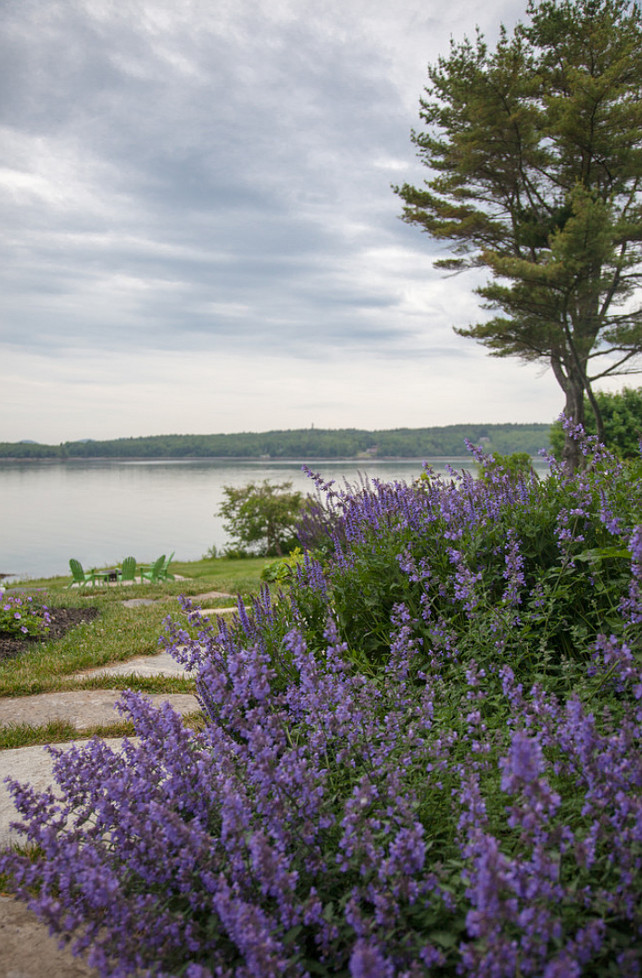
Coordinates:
column 154, row 571
column 128, row 570
column 79, row 576
column 165, row 574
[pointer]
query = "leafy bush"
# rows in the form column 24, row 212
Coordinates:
column 622, row 417
column 516, row 464
column 280, row 571
column 504, row 563
column 423, row 759
column 20, row 616
column 261, row 517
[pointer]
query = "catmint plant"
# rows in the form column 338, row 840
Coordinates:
column 422, row 759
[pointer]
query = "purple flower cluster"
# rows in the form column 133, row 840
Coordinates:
column 19, row 615
column 398, row 774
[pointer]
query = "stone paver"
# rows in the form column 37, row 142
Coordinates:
column 196, row 599
column 83, row 708
column 141, row 665
column 211, row 595
column 27, row 950
column 29, row 765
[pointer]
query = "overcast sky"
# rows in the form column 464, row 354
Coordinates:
column 198, row 228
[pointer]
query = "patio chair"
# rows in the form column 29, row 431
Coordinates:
column 154, row 571
column 128, row 570
column 165, row 574
column 79, row 576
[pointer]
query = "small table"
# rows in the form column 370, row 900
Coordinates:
column 110, row 576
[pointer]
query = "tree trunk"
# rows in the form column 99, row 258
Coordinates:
column 599, row 421
column 574, row 410
column 572, row 383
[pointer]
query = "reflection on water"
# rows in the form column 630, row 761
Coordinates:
column 101, row 511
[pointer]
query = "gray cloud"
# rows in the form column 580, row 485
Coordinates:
column 214, row 179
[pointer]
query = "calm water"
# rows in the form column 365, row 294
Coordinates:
column 99, row 512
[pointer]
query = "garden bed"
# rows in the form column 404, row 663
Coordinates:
column 61, row 621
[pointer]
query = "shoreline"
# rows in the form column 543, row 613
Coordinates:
column 268, row 459
column 239, row 458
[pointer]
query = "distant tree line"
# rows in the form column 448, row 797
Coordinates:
column 305, row 443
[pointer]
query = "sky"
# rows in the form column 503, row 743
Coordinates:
column 198, row 232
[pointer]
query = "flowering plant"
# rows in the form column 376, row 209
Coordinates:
column 424, row 759
column 20, row 616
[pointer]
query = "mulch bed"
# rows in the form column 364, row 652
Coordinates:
column 62, row 620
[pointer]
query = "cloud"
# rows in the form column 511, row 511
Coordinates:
column 166, row 392
column 194, row 184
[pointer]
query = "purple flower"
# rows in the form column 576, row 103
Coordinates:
column 524, row 763
column 367, row 961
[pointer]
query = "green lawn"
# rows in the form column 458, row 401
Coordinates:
column 119, row 632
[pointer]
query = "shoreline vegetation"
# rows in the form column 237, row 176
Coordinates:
column 342, row 444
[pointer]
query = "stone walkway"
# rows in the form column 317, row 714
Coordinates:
column 26, row 949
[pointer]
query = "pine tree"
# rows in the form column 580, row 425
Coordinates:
column 535, row 158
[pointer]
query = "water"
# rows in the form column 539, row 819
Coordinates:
column 102, row 511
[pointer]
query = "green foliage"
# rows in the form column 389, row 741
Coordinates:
column 515, row 464
column 308, row 443
column 535, row 150
column 622, row 418
column 262, row 517
column 572, row 572
column 280, row 571
column 20, row 616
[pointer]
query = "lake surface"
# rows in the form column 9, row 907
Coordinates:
column 102, row 511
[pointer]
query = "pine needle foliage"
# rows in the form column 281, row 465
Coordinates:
column 535, row 156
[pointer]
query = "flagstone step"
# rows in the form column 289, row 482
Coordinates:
column 28, row 950
column 83, row 708
column 28, row 765
column 161, row 664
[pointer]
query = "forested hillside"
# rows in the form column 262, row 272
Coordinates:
column 302, row 443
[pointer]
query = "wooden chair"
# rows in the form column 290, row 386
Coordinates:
column 154, row 571
column 79, row 576
column 128, row 570
column 165, row 574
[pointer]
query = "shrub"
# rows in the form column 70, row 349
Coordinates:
column 280, row 571
column 20, row 616
column 506, row 563
column 409, row 767
column 517, row 463
column 622, row 419
column 261, row 517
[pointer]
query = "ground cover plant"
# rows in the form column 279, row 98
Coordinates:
column 422, row 759
column 21, row 619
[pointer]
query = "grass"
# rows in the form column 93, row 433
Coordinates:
column 235, row 576
column 60, row 731
column 118, row 633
